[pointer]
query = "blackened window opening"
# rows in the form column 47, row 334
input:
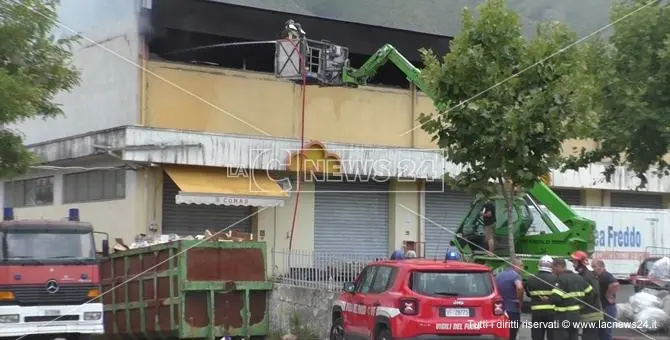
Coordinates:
column 179, row 46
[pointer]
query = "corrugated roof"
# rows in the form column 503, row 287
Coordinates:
column 440, row 17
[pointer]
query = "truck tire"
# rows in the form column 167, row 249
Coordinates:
column 337, row 329
column 384, row 334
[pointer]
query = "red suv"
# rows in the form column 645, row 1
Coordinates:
column 420, row 299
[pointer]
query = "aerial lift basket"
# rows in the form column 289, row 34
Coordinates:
column 319, row 62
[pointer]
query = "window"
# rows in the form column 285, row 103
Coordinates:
column 383, row 279
column 646, row 267
column 365, row 281
column 439, row 283
column 35, row 245
column 94, row 186
column 29, row 192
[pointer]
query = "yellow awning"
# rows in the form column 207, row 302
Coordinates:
column 225, row 186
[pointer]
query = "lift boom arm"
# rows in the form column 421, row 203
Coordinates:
column 360, row 76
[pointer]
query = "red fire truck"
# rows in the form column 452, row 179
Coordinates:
column 49, row 278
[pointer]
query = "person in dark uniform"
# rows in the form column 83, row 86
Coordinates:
column 540, row 288
column 591, row 313
column 608, row 289
column 489, row 219
column 570, row 289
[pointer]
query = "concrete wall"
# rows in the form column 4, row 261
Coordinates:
column 109, row 92
column 215, row 99
column 123, row 218
column 311, row 306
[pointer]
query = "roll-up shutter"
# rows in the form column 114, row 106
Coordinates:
column 444, row 209
column 636, row 200
column 352, row 218
column 193, row 219
column 569, row 196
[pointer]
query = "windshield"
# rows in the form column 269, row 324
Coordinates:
column 646, row 266
column 466, row 284
column 559, row 225
column 51, row 245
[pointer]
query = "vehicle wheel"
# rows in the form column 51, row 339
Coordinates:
column 384, row 334
column 637, row 289
column 337, row 330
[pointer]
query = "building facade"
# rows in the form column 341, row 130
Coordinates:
column 208, row 140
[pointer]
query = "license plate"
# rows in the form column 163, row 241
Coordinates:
column 52, row 312
column 456, row 312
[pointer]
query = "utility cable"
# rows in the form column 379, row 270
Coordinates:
column 301, row 153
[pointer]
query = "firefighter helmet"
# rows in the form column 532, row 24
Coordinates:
column 545, row 263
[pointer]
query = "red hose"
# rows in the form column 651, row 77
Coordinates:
column 302, row 142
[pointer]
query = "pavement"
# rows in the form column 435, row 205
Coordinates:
column 625, row 292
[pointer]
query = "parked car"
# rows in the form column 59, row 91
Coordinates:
column 413, row 299
column 641, row 280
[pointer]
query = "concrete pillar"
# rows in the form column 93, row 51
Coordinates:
column 666, row 201
column 404, row 206
column 607, row 198
column 592, row 197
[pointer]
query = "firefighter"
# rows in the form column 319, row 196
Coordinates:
column 540, row 288
column 567, row 298
column 591, row 313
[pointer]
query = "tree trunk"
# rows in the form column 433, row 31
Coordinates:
column 509, row 199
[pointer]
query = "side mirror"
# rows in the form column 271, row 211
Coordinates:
column 349, row 287
column 105, row 248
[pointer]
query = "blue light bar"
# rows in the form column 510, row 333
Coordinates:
column 73, row 215
column 8, row 214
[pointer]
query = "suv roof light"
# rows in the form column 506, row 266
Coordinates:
column 73, row 215
column 8, row 214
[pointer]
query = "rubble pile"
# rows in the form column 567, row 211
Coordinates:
column 650, row 308
column 143, row 240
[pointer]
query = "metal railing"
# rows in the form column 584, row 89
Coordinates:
column 657, row 251
column 318, row 270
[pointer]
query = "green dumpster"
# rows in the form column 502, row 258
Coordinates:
column 186, row 289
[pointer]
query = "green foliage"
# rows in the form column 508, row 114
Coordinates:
column 512, row 132
column 34, row 67
column 634, row 123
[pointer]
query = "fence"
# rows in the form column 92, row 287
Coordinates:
column 318, row 270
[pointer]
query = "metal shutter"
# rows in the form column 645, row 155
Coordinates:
column 193, row 219
column 447, row 209
column 569, row 196
column 636, row 200
column 352, row 218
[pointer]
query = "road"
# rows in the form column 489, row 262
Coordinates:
column 624, row 295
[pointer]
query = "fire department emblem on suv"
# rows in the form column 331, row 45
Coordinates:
column 52, row 287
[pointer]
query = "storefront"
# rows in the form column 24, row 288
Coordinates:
column 199, row 198
column 352, row 218
column 444, row 209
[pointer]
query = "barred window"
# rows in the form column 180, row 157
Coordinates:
column 94, row 185
column 29, row 192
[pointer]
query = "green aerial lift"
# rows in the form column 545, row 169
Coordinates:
column 551, row 228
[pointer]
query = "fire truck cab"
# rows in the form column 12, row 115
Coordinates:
column 49, row 278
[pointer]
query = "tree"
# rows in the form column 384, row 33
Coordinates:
column 634, row 120
column 34, row 67
column 512, row 133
